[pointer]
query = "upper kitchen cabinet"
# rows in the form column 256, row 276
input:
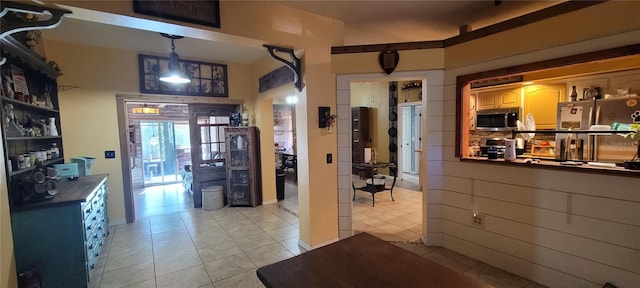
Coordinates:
column 504, row 98
column 541, row 102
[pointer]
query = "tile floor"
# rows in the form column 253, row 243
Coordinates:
column 186, row 247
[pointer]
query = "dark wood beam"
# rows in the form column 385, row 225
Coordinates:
column 387, row 47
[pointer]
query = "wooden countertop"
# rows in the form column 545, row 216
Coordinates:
column 361, row 261
column 69, row 192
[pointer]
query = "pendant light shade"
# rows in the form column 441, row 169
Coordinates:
column 174, row 75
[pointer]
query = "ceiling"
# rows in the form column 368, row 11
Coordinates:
column 366, row 22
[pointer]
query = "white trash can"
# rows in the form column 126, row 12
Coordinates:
column 212, row 198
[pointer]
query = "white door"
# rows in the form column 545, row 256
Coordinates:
column 410, row 137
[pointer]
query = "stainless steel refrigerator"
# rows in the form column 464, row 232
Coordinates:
column 600, row 147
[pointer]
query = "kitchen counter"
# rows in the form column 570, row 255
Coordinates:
column 556, row 165
column 68, row 192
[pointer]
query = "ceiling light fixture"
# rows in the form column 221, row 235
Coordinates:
column 145, row 110
column 292, row 99
column 174, row 75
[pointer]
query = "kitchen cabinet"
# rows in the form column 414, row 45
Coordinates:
column 541, row 101
column 360, row 134
column 62, row 238
column 503, row 98
column 243, row 166
column 30, row 114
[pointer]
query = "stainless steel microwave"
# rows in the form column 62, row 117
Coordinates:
column 505, row 119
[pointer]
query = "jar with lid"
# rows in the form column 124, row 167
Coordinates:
column 54, row 151
column 245, row 115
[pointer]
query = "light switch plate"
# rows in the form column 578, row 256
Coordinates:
column 329, row 158
column 109, row 154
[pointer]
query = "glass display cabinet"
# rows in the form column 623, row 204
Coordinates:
column 243, row 166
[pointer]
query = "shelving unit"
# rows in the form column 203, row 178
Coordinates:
column 359, row 133
column 24, row 116
column 243, row 166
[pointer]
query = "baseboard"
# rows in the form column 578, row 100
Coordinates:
column 267, row 202
column 308, row 247
column 114, row 222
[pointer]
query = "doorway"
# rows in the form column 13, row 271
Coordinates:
column 432, row 83
column 411, row 137
column 160, row 165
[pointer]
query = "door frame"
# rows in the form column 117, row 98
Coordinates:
column 400, row 134
column 123, row 134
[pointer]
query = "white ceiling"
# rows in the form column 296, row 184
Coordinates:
column 366, row 22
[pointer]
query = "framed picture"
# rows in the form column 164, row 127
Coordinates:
column 208, row 79
column 203, row 12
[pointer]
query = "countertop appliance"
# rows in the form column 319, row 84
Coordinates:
column 496, row 144
column 84, row 164
column 499, row 145
column 505, row 119
column 603, row 147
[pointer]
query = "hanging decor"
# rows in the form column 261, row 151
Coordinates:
column 207, row 79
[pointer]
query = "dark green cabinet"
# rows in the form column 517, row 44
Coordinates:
column 61, row 239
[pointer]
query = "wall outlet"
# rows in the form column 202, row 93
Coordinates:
column 477, row 220
column 109, row 154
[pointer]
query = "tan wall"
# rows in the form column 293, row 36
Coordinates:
column 88, row 114
column 311, row 35
column 375, row 95
column 8, row 277
column 410, row 60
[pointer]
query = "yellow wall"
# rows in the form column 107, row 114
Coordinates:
column 311, row 35
column 410, row 60
column 8, row 277
column 375, row 95
column 88, row 114
column 264, row 113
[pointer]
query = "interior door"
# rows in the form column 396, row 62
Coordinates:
column 208, row 149
column 411, row 138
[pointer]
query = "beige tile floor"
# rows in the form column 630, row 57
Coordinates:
column 223, row 248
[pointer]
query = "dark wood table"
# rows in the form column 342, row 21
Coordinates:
column 361, row 261
column 372, row 188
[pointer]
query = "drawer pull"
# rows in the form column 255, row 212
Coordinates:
column 88, row 211
column 93, row 266
column 94, row 218
column 89, row 227
column 90, row 246
column 97, row 253
column 95, row 236
column 100, row 243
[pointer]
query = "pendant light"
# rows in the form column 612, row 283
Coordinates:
column 174, row 75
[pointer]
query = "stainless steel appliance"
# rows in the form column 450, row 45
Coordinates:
column 601, row 147
column 498, row 119
column 495, row 145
